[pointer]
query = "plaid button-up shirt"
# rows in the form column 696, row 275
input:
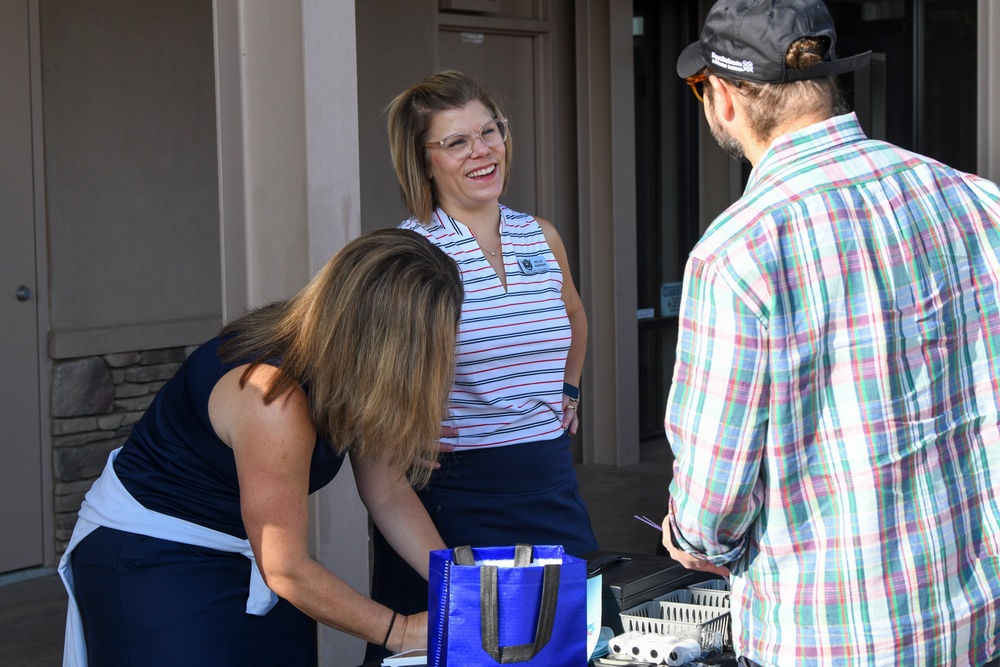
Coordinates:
column 834, row 407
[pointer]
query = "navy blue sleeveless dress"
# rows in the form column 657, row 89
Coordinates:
column 150, row 602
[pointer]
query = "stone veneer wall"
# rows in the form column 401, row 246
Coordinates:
column 95, row 401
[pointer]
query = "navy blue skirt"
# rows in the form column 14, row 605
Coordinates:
column 152, row 602
column 499, row 496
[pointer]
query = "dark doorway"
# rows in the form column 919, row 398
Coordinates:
column 666, row 122
column 920, row 90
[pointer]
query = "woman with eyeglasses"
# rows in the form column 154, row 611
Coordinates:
column 506, row 472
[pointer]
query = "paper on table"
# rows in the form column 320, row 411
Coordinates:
column 593, row 613
column 412, row 657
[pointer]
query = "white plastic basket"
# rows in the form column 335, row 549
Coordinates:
column 714, row 593
column 699, row 596
column 707, row 625
column 711, row 585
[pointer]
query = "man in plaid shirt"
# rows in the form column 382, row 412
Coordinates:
column 834, row 410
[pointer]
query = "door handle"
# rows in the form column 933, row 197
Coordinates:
column 23, row 293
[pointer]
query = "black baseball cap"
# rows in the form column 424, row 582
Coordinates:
column 748, row 40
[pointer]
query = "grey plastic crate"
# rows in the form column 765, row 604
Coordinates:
column 698, row 594
column 707, row 625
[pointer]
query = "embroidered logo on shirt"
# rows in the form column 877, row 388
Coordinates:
column 533, row 265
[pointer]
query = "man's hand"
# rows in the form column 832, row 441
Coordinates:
column 683, row 557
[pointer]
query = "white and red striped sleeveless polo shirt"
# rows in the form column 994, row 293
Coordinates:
column 512, row 345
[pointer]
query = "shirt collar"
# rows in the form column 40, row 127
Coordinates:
column 445, row 221
column 801, row 144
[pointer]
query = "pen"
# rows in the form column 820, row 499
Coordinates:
column 649, row 522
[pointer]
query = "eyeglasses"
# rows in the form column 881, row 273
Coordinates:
column 697, row 83
column 460, row 145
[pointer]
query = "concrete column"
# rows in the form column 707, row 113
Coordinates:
column 606, row 158
column 262, row 152
column 989, row 90
column 333, row 202
column 286, row 78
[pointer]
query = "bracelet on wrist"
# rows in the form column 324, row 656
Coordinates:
column 572, row 391
column 388, row 633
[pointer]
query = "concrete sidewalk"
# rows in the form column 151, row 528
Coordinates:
column 32, row 616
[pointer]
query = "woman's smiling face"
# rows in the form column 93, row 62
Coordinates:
column 473, row 183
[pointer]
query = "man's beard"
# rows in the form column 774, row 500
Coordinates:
column 725, row 140
column 729, row 144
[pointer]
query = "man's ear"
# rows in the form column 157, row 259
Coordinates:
column 723, row 98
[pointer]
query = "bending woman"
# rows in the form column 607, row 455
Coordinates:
column 507, row 475
column 207, row 501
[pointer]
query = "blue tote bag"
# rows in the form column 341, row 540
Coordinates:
column 507, row 605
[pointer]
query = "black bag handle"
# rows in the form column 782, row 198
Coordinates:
column 489, row 606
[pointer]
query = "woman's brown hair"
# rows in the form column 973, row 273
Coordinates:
column 410, row 116
column 371, row 339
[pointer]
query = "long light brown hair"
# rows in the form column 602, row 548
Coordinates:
column 371, row 339
column 410, row 116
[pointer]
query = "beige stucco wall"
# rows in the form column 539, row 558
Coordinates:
column 128, row 110
column 397, row 44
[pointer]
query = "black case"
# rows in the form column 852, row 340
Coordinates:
column 629, row 583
